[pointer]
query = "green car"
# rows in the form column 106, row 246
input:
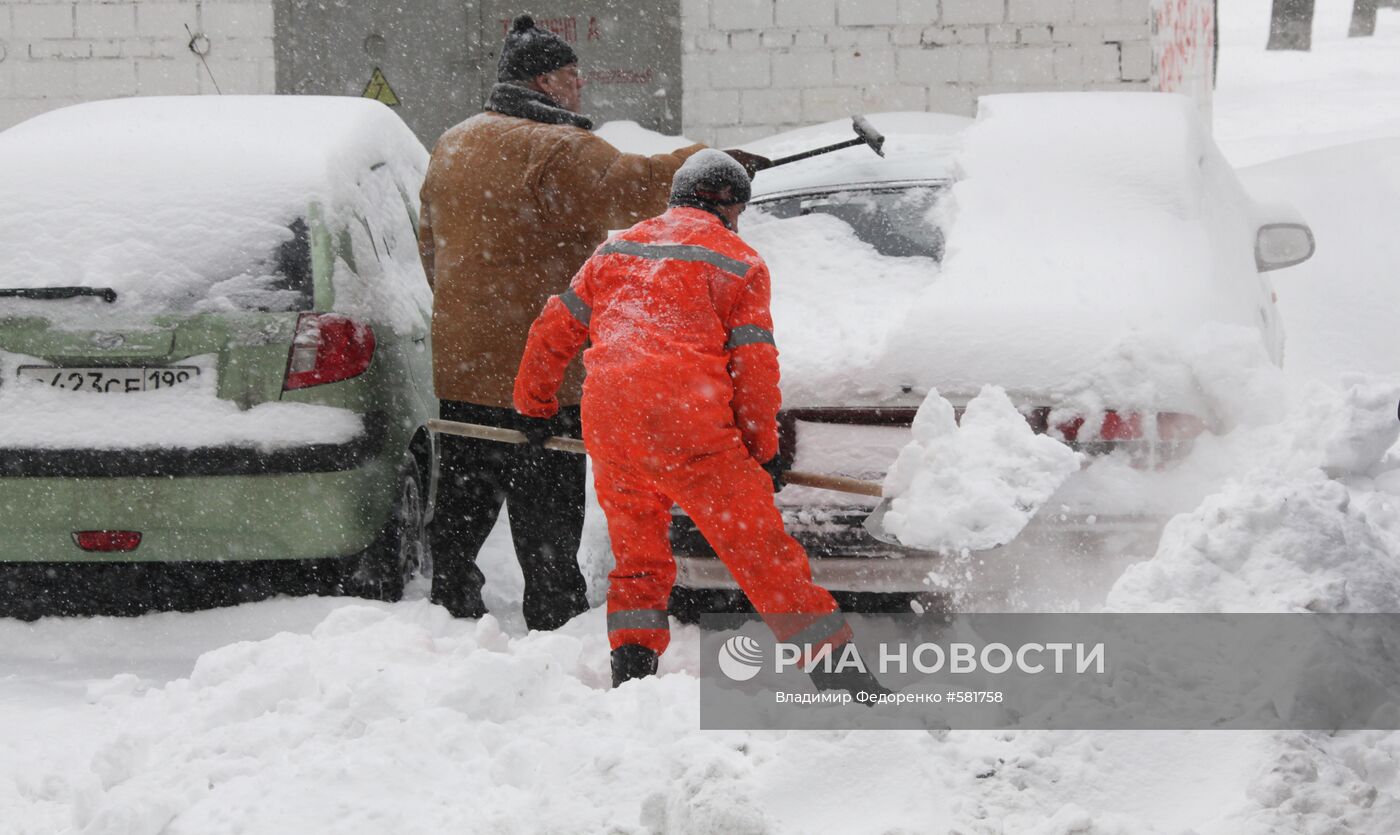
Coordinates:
column 214, row 338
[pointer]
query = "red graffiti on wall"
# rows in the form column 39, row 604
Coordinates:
column 564, row 27
column 1185, row 36
column 621, row 76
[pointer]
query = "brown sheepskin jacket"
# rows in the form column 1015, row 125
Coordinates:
column 512, row 207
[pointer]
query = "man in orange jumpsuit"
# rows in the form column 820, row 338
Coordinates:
column 680, row 406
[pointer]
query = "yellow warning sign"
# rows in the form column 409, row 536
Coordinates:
column 378, row 89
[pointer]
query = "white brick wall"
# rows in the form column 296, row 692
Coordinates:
column 55, row 53
column 755, row 67
column 750, row 67
column 867, row 12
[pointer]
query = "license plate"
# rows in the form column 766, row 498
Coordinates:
column 110, row 380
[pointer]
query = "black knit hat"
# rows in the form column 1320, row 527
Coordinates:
column 530, row 51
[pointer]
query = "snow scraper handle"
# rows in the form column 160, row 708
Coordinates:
column 841, row 484
column 865, row 135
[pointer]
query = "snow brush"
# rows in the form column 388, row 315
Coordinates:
column 865, row 135
column 841, row 484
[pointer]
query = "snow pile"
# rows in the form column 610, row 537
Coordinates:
column 407, row 721
column 1262, row 421
column 188, row 416
column 397, row 718
column 1267, row 544
column 175, row 202
column 1285, row 536
column 972, row 485
column 1314, row 782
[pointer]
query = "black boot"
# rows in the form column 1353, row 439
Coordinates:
column 631, row 661
column 860, row 683
column 458, row 602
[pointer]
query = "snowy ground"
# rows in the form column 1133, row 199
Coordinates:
column 320, row 715
column 1274, row 104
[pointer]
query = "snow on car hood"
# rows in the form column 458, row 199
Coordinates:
column 166, row 199
column 1099, row 249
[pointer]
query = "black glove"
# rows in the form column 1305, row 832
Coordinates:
column 775, row 467
column 537, row 432
column 753, row 163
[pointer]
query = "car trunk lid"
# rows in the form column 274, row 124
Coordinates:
column 864, row 442
column 248, row 349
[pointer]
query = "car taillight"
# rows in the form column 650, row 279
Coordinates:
column 328, row 348
column 1134, row 432
column 107, row 541
column 1174, row 426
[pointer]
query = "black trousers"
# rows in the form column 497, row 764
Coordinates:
column 545, row 490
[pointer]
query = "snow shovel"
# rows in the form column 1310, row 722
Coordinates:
column 840, row 484
column 865, row 135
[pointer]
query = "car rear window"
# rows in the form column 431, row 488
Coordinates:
column 900, row 222
column 263, row 266
column 283, row 282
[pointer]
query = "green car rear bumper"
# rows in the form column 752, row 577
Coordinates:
column 198, row 506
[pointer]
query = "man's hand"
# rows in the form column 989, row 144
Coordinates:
column 536, row 433
column 775, row 467
column 753, row 163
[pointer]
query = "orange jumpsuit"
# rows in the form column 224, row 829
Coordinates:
column 680, row 405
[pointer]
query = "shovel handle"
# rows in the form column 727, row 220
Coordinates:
column 840, row 484
column 505, row 436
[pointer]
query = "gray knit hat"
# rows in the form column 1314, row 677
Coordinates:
column 530, row 51
column 708, row 179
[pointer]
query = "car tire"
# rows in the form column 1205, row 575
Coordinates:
column 401, row 549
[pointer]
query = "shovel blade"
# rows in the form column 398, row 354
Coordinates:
column 874, row 525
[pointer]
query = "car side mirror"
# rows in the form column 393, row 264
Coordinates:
column 1280, row 245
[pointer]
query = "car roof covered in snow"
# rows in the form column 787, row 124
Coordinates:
column 918, row 146
column 165, row 199
column 275, row 146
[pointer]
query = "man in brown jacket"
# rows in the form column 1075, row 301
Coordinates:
column 515, row 201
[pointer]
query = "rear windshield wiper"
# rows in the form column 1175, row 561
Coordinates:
column 107, row 294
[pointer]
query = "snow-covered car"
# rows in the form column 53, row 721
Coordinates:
column 1341, row 312
column 1093, row 273
column 214, row 338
